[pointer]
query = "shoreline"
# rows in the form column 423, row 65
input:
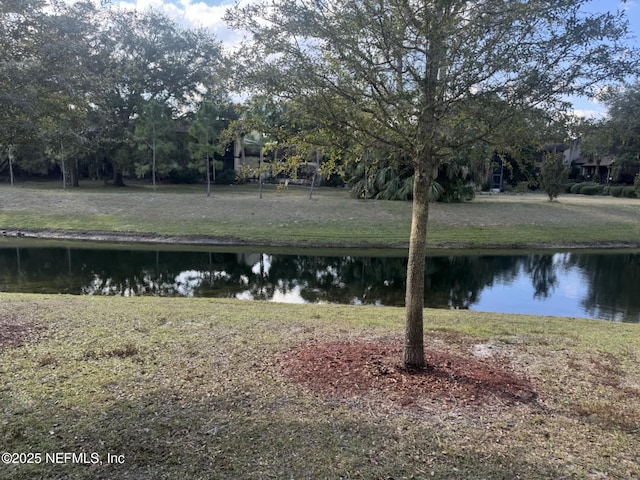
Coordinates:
column 200, row 240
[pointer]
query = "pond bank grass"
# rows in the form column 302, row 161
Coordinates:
column 235, row 214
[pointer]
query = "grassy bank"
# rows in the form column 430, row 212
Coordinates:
column 193, row 388
column 331, row 218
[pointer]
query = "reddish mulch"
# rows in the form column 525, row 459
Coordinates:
column 373, row 369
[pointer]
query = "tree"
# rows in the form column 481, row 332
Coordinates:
column 596, row 138
column 17, row 92
column 299, row 144
column 617, row 135
column 205, row 136
column 256, row 124
column 553, row 174
column 623, row 109
column 66, row 53
column 62, row 125
column 150, row 58
column 427, row 78
column 46, row 78
column 99, row 65
column 155, row 129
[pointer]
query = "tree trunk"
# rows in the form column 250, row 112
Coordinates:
column 153, row 164
column 209, row 177
column 63, row 169
column 243, row 158
column 414, row 300
column 315, row 175
column 118, row 178
column 75, row 174
column 67, row 181
column 260, row 173
column 67, row 168
column 11, row 177
column 426, row 164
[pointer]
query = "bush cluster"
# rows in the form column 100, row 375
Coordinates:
column 629, row 192
column 577, row 187
column 591, row 188
column 616, row 191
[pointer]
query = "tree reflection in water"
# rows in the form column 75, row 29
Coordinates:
column 608, row 283
column 613, row 285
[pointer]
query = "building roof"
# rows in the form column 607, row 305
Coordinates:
column 587, row 162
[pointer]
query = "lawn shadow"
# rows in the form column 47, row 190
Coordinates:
column 168, row 435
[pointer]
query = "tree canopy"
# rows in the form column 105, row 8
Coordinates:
column 617, row 135
column 205, row 134
column 75, row 78
column 623, row 122
column 426, row 79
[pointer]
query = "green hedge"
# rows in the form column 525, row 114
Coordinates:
column 616, row 191
column 592, row 190
column 578, row 186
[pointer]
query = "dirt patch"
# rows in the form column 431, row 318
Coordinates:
column 15, row 331
column 373, row 369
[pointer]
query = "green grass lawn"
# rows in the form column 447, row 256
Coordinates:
column 193, row 389
column 330, row 218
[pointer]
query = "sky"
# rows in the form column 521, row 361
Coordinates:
column 209, row 14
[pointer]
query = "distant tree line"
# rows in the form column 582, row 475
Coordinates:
column 106, row 93
column 102, row 92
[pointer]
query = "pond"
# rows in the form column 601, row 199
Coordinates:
column 604, row 285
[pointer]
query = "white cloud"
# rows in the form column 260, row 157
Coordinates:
column 202, row 15
column 585, row 113
column 191, row 14
column 211, row 17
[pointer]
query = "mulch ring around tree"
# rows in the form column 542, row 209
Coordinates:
column 373, row 369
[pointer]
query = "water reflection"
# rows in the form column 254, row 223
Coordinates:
column 573, row 284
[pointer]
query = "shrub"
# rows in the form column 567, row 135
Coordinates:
column 616, row 191
column 591, row 190
column 636, row 185
column 575, row 188
column 567, row 187
column 553, row 175
column 183, row 175
column 628, row 192
column 334, row 180
column 578, row 186
column 226, row 177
